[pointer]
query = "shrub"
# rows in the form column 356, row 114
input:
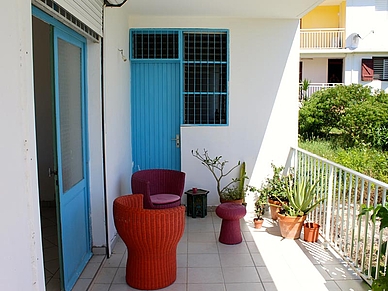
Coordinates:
column 366, row 123
column 359, row 115
column 371, row 162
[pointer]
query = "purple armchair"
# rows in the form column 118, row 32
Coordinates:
column 161, row 188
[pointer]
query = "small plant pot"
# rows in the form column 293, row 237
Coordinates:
column 311, row 231
column 273, row 209
column 291, row 226
column 258, row 223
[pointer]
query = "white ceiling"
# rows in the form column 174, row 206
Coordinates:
column 331, row 2
column 216, row 8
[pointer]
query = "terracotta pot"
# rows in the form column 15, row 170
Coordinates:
column 273, row 209
column 239, row 201
column 311, row 231
column 258, row 223
column 291, row 226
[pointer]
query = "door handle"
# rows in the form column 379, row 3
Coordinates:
column 52, row 172
column 177, row 141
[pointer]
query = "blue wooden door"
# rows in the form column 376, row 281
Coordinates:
column 69, row 75
column 155, row 115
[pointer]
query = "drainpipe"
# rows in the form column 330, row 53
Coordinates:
column 104, row 148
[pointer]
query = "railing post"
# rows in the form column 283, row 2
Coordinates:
column 329, row 199
column 291, row 160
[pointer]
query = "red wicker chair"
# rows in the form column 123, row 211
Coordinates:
column 151, row 237
column 161, row 188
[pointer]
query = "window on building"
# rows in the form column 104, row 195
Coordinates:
column 374, row 69
column 205, row 78
column 203, row 55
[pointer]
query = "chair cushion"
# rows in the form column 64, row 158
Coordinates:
column 164, row 198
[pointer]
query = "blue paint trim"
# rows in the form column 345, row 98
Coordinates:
column 56, row 23
column 65, row 33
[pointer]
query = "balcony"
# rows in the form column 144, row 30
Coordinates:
column 314, row 87
column 322, row 38
column 357, row 240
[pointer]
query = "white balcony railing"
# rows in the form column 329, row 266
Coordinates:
column 324, row 38
column 314, row 87
column 358, row 241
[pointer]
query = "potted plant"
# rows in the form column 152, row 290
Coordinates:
column 275, row 189
column 302, row 199
column 234, row 190
column 259, row 211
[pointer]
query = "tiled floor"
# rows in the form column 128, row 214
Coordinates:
column 263, row 261
column 50, row 248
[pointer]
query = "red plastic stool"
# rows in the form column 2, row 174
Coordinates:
column 231, row 213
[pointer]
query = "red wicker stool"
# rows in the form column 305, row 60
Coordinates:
column 231, row 213
column 151, row 237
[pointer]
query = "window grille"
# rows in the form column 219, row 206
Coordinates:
column 205, row 78
column 155, row 45
column 203, row 56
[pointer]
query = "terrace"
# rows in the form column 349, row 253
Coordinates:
column 263, row 261
column 345, row 257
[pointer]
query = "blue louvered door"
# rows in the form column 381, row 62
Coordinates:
column 155, row 115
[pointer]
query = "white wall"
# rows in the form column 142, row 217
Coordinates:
column 264, row 59
column 315, row 70
column 21, row 260
column 117, row 109
column 363, row 17
column 96, row 177
column 368, row 18
column 353, row 70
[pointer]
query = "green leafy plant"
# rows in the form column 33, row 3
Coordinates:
column 275, row 187
column 232, row 190
column 379, row 212
column 305, row 86
column 369, row 161
column 232, row 193
column 260, row 204
column 301, row 196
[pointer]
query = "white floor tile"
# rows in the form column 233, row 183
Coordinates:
column 264, row 261
column 119, row 278
column 206, row 287
column 240, row 275
column 82, row 285
column 353, row 285
column 244, row 286
column 204, row 260
column 202, row 248
column 114, row 261
column 100, row 287
column 240, row 248
column 236, row 260
column 201, row 237
column 106, row 275
column 204, row 275
column 182, row 260
column 181, row 275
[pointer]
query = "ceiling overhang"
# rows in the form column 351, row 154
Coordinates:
column 294, row 9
